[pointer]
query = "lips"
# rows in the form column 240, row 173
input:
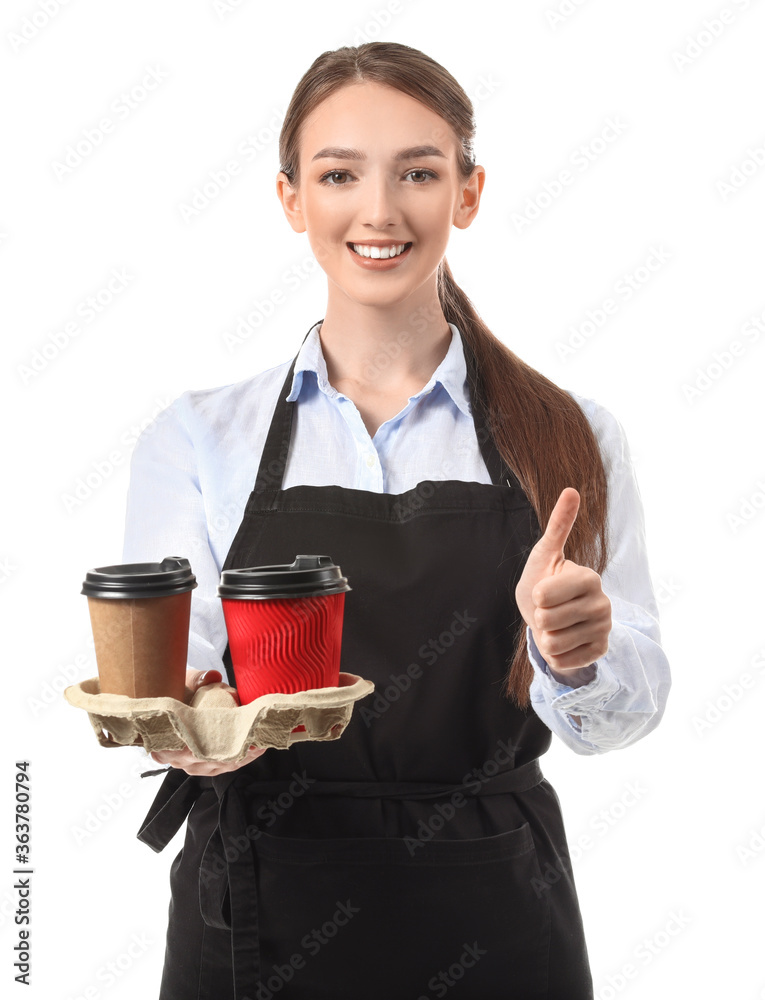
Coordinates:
column 379, row 247
column 380, row 263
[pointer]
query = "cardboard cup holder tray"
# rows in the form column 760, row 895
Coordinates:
column 212, row 725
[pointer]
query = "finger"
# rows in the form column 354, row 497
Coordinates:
column 565, row 640
column 195, row 679
column 177, row 758
column 560, row 522
column 570, row 582
column 213, row 768
column 205, row 769
column 564, row 615
column 576, row 659
column 207, row 677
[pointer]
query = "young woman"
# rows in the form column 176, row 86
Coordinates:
column 491, row 529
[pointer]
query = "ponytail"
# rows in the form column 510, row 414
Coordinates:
column 544, row 437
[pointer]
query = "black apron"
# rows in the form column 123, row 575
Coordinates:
column 422, row 854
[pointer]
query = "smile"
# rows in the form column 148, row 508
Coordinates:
column 379, row 253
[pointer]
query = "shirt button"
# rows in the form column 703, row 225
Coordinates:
column 370, row 460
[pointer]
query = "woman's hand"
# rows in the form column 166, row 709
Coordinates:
column 563, row 603
column 185, row 759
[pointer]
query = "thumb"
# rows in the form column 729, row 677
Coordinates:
column 560, row 523
column 202, row 677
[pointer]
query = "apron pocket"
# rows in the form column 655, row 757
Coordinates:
column 388, row 917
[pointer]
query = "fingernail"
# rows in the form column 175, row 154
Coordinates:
column 210, row 677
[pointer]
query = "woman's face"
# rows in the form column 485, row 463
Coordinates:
column 376, row 166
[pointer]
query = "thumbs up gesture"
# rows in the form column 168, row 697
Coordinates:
column 563, row 603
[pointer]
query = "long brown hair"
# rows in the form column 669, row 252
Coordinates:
column 514, row 395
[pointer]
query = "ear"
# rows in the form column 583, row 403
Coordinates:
column 470, row 197
column 290, row 199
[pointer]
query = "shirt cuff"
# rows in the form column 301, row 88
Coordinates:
column 583, row 700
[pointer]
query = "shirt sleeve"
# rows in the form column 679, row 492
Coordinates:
column 627, row 696
column 166, row 516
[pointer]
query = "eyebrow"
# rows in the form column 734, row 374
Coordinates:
column 345, row 153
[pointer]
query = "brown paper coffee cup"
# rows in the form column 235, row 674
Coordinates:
column 141, row 645
column 139, row 613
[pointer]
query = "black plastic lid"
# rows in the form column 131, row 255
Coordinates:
column 150, row 579
column 307, row 576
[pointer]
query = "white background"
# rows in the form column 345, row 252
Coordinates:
column 672, row 901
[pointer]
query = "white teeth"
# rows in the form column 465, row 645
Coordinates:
column 378, row 252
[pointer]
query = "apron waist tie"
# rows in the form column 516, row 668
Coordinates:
column 517, row 779
column 228, row 863
column 172, row 804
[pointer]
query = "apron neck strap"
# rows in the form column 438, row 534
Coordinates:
column 273, row 461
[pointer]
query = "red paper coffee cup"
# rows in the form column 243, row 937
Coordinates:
column 284, row 625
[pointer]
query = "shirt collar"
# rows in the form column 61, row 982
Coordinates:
column 451, row 373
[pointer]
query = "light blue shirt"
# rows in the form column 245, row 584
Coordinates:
column 194, row 468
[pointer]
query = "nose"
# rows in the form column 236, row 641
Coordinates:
column 380, row 204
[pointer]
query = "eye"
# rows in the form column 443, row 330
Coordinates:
column 324, row 179
column 426, row 173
